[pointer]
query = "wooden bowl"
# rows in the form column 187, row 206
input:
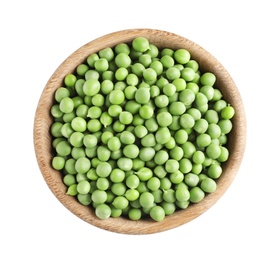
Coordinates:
column 43, row 120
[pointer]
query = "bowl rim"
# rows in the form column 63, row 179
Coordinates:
column 42, row 138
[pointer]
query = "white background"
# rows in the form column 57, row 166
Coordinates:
column 36, row 36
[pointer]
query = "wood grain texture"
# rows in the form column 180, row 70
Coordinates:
column 42, row 138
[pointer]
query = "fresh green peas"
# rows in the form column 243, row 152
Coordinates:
column 142, row 95
column 70, row 80
column 140, row 131
column 208, row 79
column 140, row 44
column 182, row 56
column 116, row 97
column 196, row 194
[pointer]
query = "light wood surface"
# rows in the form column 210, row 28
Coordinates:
column 42, row 138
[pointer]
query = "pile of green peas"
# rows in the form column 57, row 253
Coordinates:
column 139, row 131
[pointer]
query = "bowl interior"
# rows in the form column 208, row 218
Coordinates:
column 162, row 39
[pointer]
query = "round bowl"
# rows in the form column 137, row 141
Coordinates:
column 162, row 39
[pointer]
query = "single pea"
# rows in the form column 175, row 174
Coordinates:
column 60, row 93
column 127, row 137
column 169, row 89
column 201, row 126
column 161, row 157
column 66, row 105
column 208, row 91
column 63, row 148
column 217, row 95
column 69, row 179
column 196, row 194
column 214, row 171
column 101, row 65
column 189, row 149
column 146, row 199
column 84, row 199
column 103, row 169
column 125, row 164
column 91, row 87
column 91, row 59
column 125, row 117
column 120, row 202
column 208, row 79
column 135, row 214
column 144, row 174
column 153, row 50
column 131, row 151
column 181, row 136
column 92, row 74
column 219, row 105
column 122, row 47
column 70, row 80
column 214, row 130
column 149, row 74
column 145, row 60
column 58, row 163
column 93, row 125
column 213, row 151
column 171, row 165
column 107, row 54
column 163, row 135
column 157, row 213
column 176, row 153
column 176, row 177
column 153, row 183
column 82, row 165
column 164, row 118
column 140, row 44
column 116, row 97
column 114, row 110
column 224, row 154
column 208, row 185
column 90, row 141
column 177, row 108
column 182, row 56
column 185, row 165
column 191, row 179
column 203, row 140
column 79, row 124
column 103, row 153
column 169, row 208
column 192, row 64
column 182, row 194
column 161, row 101
column 132, row 194
column 180, row 84
column 103, row 211
column 169, row 195
column 157, row 66
column 114, row 143
column 148, row 140
column 83, row 187
column 72, row 190
column 227, row 112
column 102, row 183
column 142, row 95
column 188, row 74
column 172, row 73
column 146, row 111
column 123, row 60
column 137, row 69
column 76, row 139
column 99, row 196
